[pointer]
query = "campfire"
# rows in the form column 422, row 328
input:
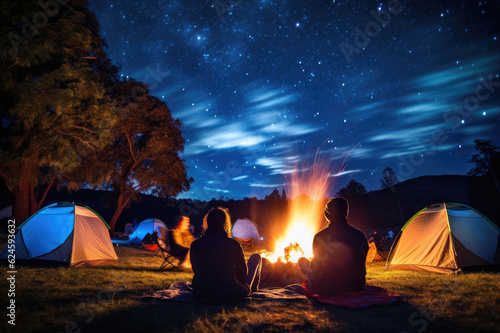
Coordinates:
column 309, row 188
column 280, row 266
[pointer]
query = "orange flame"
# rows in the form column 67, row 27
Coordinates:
column 309, row 189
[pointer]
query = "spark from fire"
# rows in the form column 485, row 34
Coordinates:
column 309, row 189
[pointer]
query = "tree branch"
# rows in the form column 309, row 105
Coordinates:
column 17, row 61
column 132, row 168
column 131, row 148
column 85, row 129
column 78, row 138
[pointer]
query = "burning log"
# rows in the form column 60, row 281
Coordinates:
column 280, row 274
column 293, row 250
column 283, row 271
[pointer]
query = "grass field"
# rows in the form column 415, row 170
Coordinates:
column 108, row 299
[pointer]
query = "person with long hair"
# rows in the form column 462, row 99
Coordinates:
column 221, row 275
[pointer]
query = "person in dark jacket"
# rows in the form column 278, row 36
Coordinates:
column 339, row 254
column 221, row 275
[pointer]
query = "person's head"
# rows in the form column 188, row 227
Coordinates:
column 181, row 222
column 337, row 209
column 217, row 220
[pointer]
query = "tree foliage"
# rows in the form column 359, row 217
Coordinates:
column 54, row 104
column 144, row 155
column 353, row 189
column 276, row 196
column 389, row 178
column 482, row 160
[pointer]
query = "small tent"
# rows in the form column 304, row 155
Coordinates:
column 445, row 238
column 145, row 227
column 65, row 232
column 245, row 229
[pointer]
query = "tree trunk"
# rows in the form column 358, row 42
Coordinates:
column 120, row 205
column 21, row 207
column 23, row 195
column 45, row 192
column 116, row 215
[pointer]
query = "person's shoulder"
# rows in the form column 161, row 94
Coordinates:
column 358, row 232
column 233, row 242
column 322, row 232
column 234, row 245
column 201, row 240
column 197, row 241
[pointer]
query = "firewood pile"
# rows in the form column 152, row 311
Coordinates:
column 284, row 271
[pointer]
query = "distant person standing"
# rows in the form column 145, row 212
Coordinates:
column 180, row 240
column 378, row 239
column 220, row 273
column 338, row 264
column 135, row 223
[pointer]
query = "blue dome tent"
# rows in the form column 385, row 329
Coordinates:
column 65, row 232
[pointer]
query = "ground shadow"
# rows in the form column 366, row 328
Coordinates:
column 141, row 269
column 154, row 315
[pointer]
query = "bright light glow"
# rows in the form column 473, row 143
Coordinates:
column 309, row 189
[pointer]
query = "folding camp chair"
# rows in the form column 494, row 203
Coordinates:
column 164, row 248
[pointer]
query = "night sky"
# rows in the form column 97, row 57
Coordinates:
column 262, row 86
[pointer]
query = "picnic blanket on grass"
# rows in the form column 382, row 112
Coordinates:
column 183, row 292
column 369, row 296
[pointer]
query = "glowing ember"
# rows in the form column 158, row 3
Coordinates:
column 309, row 188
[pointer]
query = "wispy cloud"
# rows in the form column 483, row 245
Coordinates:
column 406, row 134
column 225, row 137
column 240, row 178
column 265, row 185
column 345, row 172
column 262, row 121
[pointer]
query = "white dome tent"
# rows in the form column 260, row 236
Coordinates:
column 245, row 229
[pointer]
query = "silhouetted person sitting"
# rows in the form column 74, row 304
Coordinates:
column 339, row 250
column 220, row 273
column 378, row 239
column 180, row 240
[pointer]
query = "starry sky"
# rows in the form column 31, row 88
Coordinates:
column 261, row 85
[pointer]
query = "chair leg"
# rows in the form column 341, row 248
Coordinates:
column 166, row 262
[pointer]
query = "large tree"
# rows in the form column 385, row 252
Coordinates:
column 54, row 105
column 144, row 156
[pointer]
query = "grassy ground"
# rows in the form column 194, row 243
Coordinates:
column 107, row 299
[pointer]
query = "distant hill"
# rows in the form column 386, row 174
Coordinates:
column 374, row 210
column 379, row 209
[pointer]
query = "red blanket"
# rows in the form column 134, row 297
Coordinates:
column 369, row 296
